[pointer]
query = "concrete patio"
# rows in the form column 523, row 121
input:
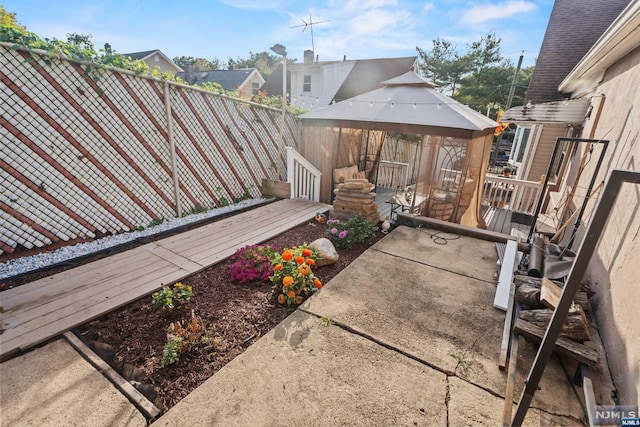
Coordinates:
column 405, row 335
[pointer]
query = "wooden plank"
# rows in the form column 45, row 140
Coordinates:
column 62, row 284
column 505, row 280
column 511, row 376
column 563, row 346
column 550, row 293
column 575, row 327
column 209, row 235
column 581, row 297
column 172, row 257
column 138, row 399
column 76, row 275
column 506, row 331
column 55, row 323
column 32, row 319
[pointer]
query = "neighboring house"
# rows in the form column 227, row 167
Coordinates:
column 246, row 81
column 574, row 26
column 605, row 80
column 312, row 84
column 156, row 59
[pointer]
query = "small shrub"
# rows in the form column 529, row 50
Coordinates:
column 350, row 232
column 252, row 263
column 181, row 339
column 292, row 274
column 167, row 297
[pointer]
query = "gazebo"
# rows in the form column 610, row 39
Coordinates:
column 453, row 153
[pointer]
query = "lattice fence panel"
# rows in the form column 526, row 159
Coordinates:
column 82, row 156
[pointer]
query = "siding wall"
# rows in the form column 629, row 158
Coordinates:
column 80, row 157
column 613, row 271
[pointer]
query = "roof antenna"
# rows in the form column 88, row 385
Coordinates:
column 309, row 24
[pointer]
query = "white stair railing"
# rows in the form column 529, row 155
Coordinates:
column 303, row 176
column 512, row 194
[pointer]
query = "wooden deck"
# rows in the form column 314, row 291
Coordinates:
column 503, row 220
column 45, row 308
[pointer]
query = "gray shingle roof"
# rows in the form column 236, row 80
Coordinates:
column 228, row 79
column 574, row 26
column 140, row 55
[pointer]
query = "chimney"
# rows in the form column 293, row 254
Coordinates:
column 344, row 58
column 308, row 56
column 189, row 74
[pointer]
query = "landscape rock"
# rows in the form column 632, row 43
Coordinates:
column 326, row 251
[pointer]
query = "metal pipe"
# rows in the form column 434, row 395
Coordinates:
column 594, row 231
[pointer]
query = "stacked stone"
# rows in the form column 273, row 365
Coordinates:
column 355, row 197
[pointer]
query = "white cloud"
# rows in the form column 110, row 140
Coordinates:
column 488, row 12
column 428, row 7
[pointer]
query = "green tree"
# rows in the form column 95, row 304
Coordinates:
column 200, row 64
column 446, row 67
column 9, row 20
column 490, row 86
column 264, row 62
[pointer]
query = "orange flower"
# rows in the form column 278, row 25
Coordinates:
column 306, row 252
column 287, row 281
column 299, row 300
column 317, row 283
column 311, row 262
column 278, row 267
column 281, row 299
column 287, row 255
column 291, row 294
column 304, row 269
column 300, row 260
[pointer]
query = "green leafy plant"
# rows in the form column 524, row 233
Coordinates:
column 326, row 321
column 252, row 263
column 350, row 232
column 167, row 298
column 292, row 274
column 181, row 339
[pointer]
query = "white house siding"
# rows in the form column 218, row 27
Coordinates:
column 326, row 79
column 615, row 268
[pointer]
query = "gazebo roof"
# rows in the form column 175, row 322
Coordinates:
column 407, row 103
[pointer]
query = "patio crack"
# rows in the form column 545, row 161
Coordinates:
column 434, row 266
column 371, row 338
column 447, row 399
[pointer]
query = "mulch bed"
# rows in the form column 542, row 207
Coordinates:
column 236, row 315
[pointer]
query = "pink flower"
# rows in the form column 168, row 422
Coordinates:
column 334, row 230
column 342, row 234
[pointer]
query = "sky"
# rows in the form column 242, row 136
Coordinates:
column 359, row 29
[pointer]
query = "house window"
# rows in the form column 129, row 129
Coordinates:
column 255, row 88
column 520, row 142
column 306, row 86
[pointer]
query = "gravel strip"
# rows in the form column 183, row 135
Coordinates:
column 26, row 264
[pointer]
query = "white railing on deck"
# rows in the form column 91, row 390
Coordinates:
column 303, row 176
column 392, row 175
column 512, row 194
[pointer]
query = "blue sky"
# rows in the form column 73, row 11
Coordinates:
column 221, row 29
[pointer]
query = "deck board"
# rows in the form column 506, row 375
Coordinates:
column 42, row 309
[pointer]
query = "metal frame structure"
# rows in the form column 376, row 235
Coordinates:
column 543, row 191
column 594, row 231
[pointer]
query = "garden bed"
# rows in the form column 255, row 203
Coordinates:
column 235, row 315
